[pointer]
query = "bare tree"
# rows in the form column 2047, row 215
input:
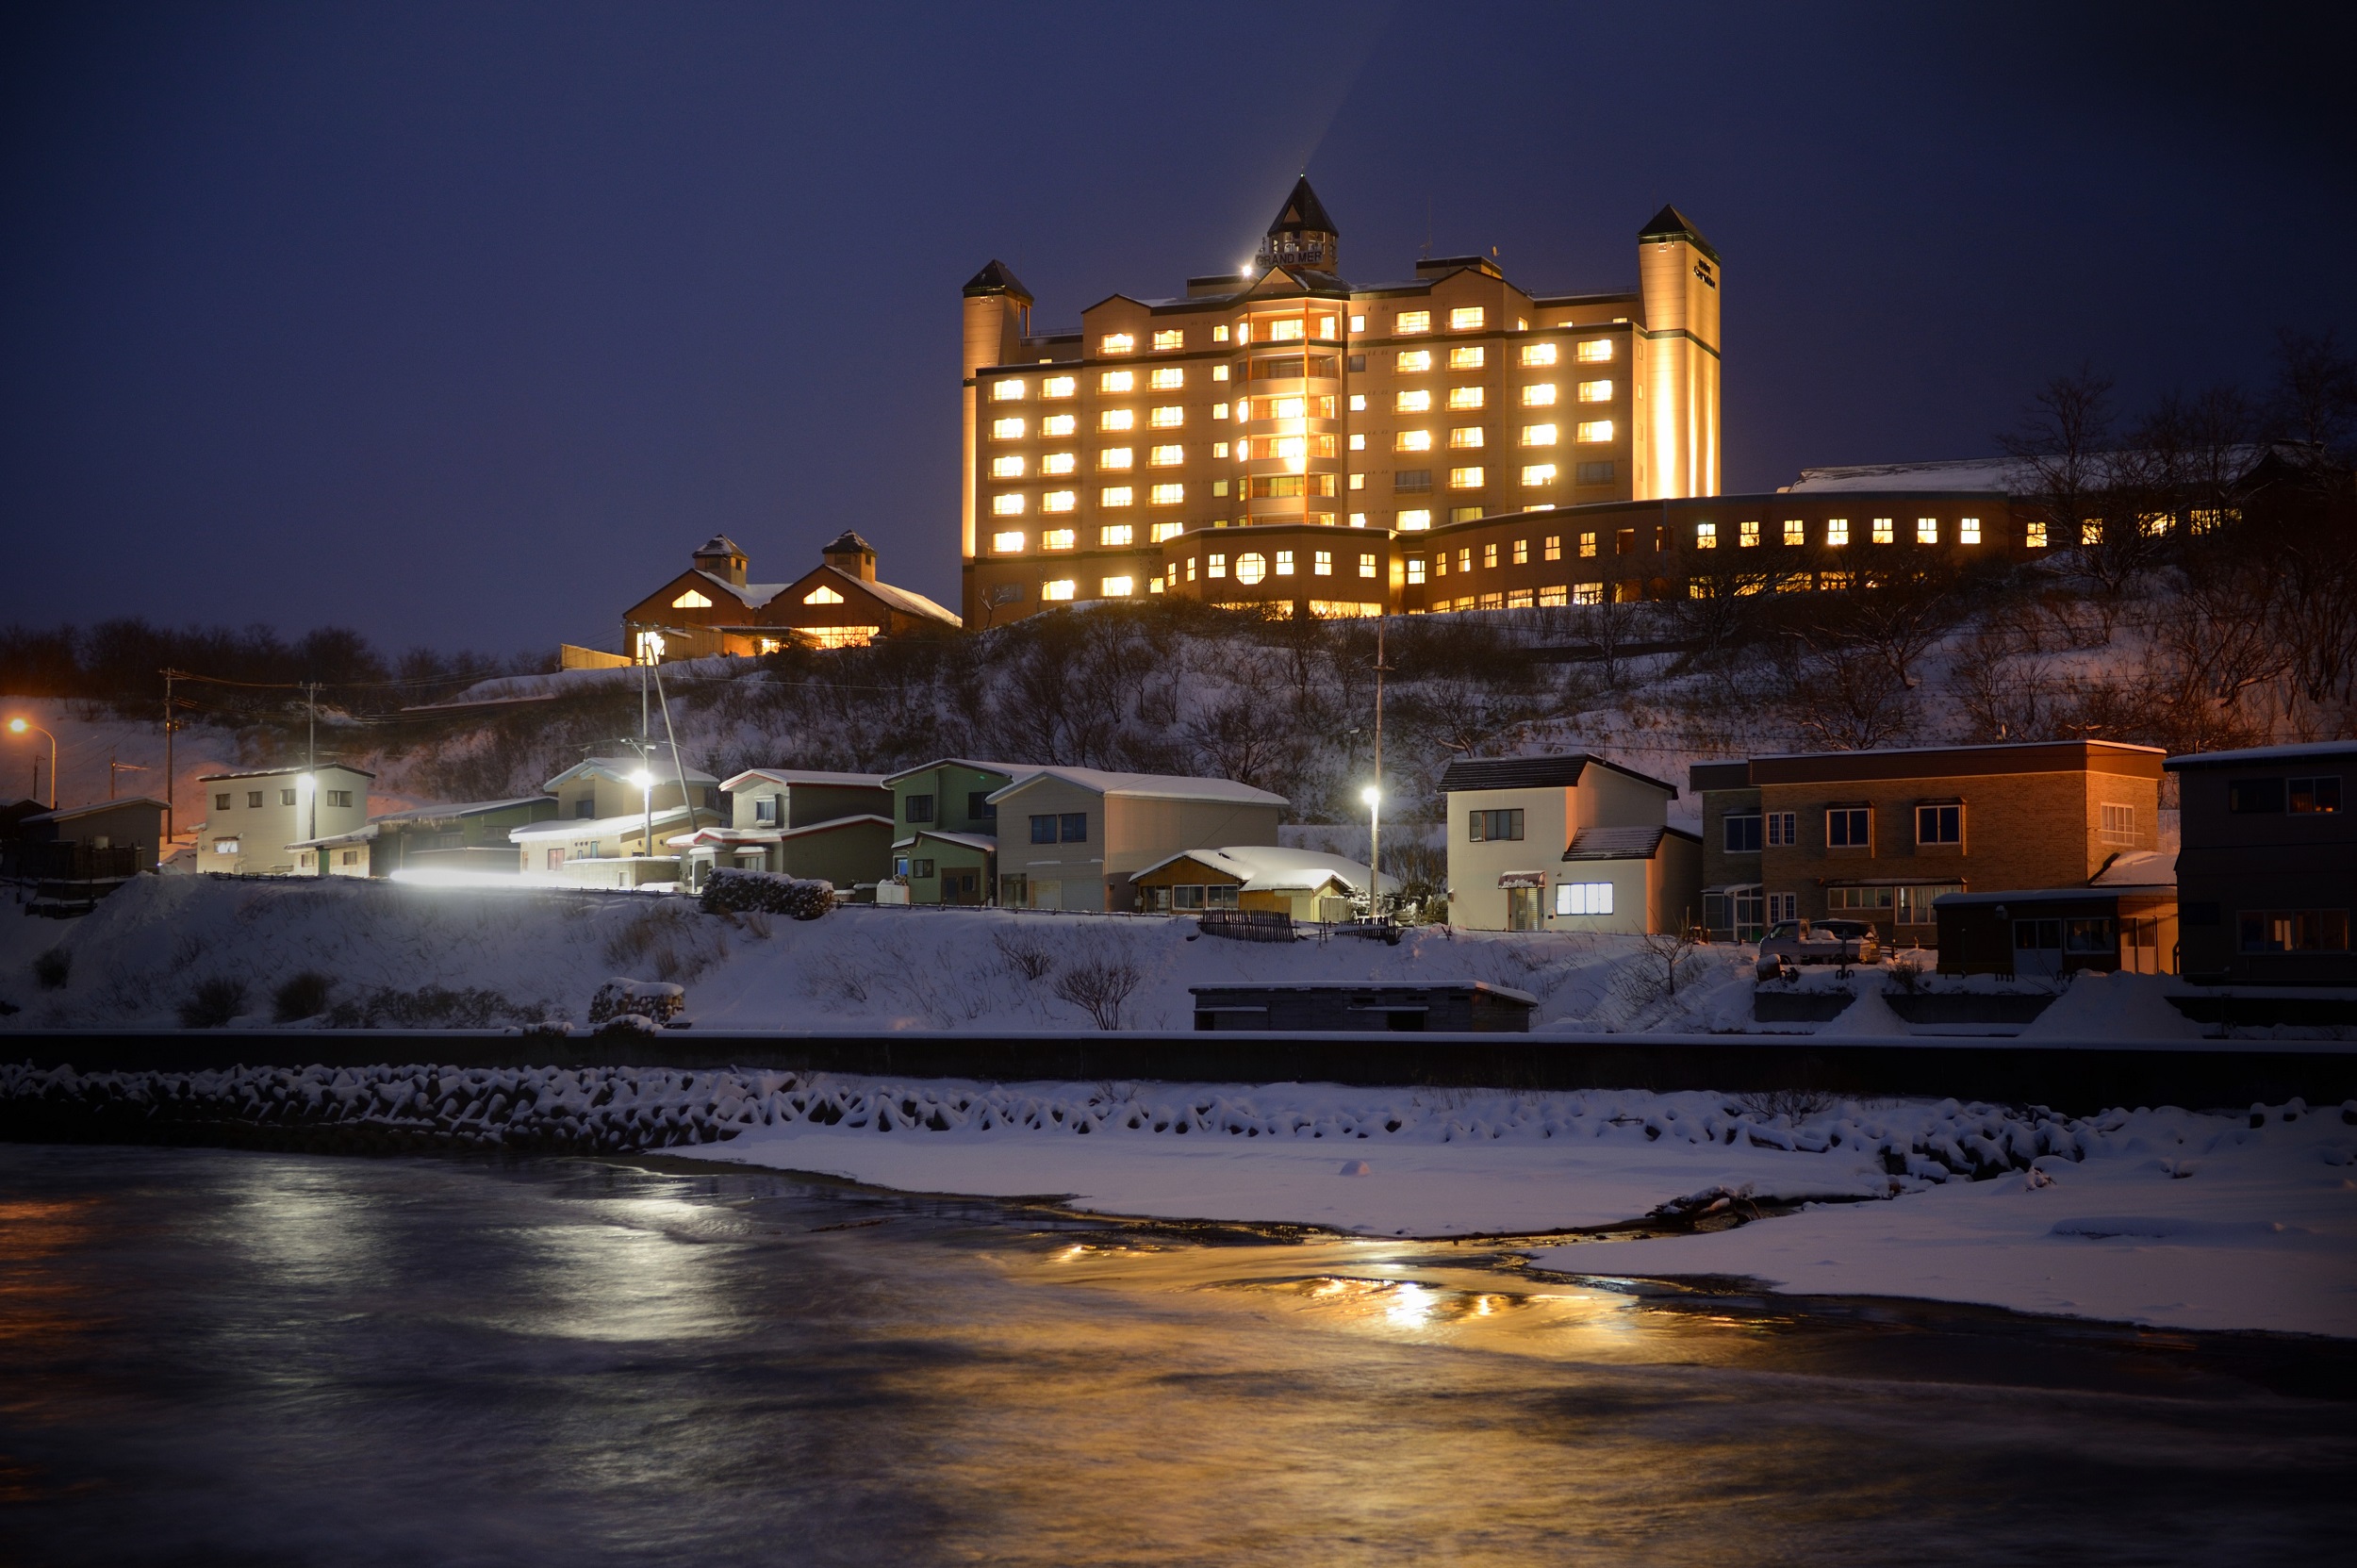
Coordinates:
column 1847, row 702
column 1099, row 987
column 2315, row 398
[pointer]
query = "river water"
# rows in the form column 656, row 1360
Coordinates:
column 214, row 1357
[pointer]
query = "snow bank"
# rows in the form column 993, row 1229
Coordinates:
column 2099, row 1007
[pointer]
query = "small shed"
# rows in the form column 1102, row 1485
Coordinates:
column 2049, row 932
column 1308, row 885
column 1470, row 1006
column 133, row 827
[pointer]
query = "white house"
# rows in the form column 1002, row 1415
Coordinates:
column 1566, row 843
column 255, row 819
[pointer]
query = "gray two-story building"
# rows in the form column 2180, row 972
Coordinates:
column 2266, row 864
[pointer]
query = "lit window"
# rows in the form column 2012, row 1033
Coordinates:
column 1357, row 520
column 1165, row 456
column 1006, row 468
column 1058, row 462
column 1538, row 473
column 2120, row 824
column 1117, row 343
column 1061, row 588
column 1747, row 535
column 1926, row 530
column 1414, row 361
column 1536, row 356
column 691, row 600
column 1837, row 531
column 1518, row 598
column 1325, row 328
column 1539, row 394
column 1284, row 564
column 1595, row 392
column 1465, row 397
column 1059, row 501
column 1357, row 444
column 1009, row 391
column 1006, row 506
column 1167, row 378
column 1219, row 335
column 1968, row 530
column 1007, row 543
column 1464, row 560
column 1554, row 598
column 1884, row 531
column 1705, row 536
column 1169, row 338
column 1586, row 546
column 1215, row 565
column 2033, row 535
column 1521, row 552
column 1219, row 410
column 1465, row 436
column 1538, row 435
column 1415, row 568
column 1402, row 402
column 1219, row 372
column 1059, row 425
column 1285, row 331
column 822, row 595
column 1587, row 593
column 1366, row 566
column 1358, row 402
column 1115, row 495
column 1467, row 318
column 1412, row 440
column 1006, row 430
column 1117, row 381
column 1583, row 897
column 1251, row 567
column 1414, row 522
column 1464, row 479
column 1322, row 564
column 1116, row 419
column 1166, row 495
column 1057, row 538
column 1358, row 323
column 1059, row 386
column 1412, row 321
column 1489, row 554
column 1596, row 351
column 1219, row 449
column 1285, row 408
column 1116, row 587
column 1116, row 457
column 1468, row 358
column 1167, row 531
column 1795, row 531
column 1595, row 430
column 1115, row 536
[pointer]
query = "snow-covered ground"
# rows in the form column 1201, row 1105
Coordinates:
column 2156, row 1216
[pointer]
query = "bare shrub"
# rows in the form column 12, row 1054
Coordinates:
column 1665, row 959
column 436, row 1007
column 213, row 1003
column 302, row 996
column 51, row 969
column 669, row 940
column 1793, row 1105
column 1099, row 987
column 1026, row 954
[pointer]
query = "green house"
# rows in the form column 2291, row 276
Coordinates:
column 944, row 838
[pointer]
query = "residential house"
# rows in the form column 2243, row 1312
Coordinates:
column 1880, row 835
column 2048, row 932
column 711, row 608
column 258, row 816
column 800, row 822
column 1570, row 842
column 1308, row 885
column 470, row 836
column 2266, row 864
column 945, row 843
column 1079, row 834
column 614, row 814
column 126, row 834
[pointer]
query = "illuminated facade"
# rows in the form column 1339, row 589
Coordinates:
column 1286, row 397
column 711, row 608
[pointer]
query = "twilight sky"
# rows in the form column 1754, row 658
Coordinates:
column 463, row 323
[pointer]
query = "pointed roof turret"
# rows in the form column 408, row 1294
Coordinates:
column 997, row 278
column 1670, row 224
column 1302, row 233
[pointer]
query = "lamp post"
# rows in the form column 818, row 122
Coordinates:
column 1374, row 797
column 17, row 727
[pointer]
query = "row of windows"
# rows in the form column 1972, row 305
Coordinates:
column 1939, row 824
column 919, row 808
column 1536, row 394
column 1162, row 378
column 1012, row 505
column 1015, row 427
column 1838, row 533
column 1069, row 827
column 1405, row 324
column 1475, row 436
column 2276, row 797
column 285, row 798
column 1252, row 566
column 1110, row 536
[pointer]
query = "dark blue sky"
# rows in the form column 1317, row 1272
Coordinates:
column 463, row 323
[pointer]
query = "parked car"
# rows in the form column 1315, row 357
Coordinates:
column 1797, row 942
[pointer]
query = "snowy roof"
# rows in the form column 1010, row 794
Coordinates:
column 2310, row 751
column 909, row 601
column 283, row 772
column 805, row 776
column 357, row 835
column 777, row 835
column 1012, row 769
column 971, row 840
column 1272, row 867
column 1559, row 771
column 751, row 595
column 2139, row 868
column 468, row 808
column 620, row 769
column 1977, row 746
column 593, row 826
column 1148, row 786
column 1973, row 475
column 67, row 814
column 1615, row 843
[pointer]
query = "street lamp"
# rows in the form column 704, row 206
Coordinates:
column 17, row 727
column 645, row 780
column 1374, row 797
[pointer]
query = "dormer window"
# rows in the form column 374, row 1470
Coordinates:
column 691, row 600
column 822, row 595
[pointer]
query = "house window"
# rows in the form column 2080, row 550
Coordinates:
column 2279, row 931
column 2034, row 535
column 1583, row 897
column 1466, row 358
column 1849, row 827
column 1493, row 827
column 1467, row 318
column 1883, row 534
column 1169, row 378
column 1740, row 833
column 1837, row 532
column 1586, row 546
column 1116, row 587
column 1944, row 824
column 1537, row 474
column 339, row 797
column 1412, row 321
column 1006, row 506
column 1784, row 829
column 1321, row 564
column 1968, row 530
column 1117, row 418
column 253, row 799
column 1926, row 530
column 1044, row 828
column 1415, row 568
column 1116, row 495
column 1746, row 534
column 1416, row 519
column 1366, row 566
column 2318, row 796
column 1166, row 495
column 1007, row 543
column 224, row 846
column 1074, row 827
column 1596, row 351
column 1251, row 566
column 351, row 857
column 1059, row 463
column 1539, row 395
column 1705, row 536
column 1117, row 458
column 585, row 809
column 919, row 808
column 2254, row 797
column 1117, row 343
column 1795, row 531
column 977, row 806
column 1587, row 593
column 765, row 811
column 1215, row 565
column 2120, row 824
column 1783, row 907
column 285, row 797
column 1537, row 354
column 1284, row 563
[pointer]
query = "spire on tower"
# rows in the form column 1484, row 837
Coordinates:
column 1302, row 235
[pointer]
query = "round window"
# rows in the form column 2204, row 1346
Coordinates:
column 1251, row 566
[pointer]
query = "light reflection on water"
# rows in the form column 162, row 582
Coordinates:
column 213, row 1356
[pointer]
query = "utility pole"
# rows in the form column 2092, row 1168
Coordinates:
column 170, row 778
column 311, row 770
column 1374, row 856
